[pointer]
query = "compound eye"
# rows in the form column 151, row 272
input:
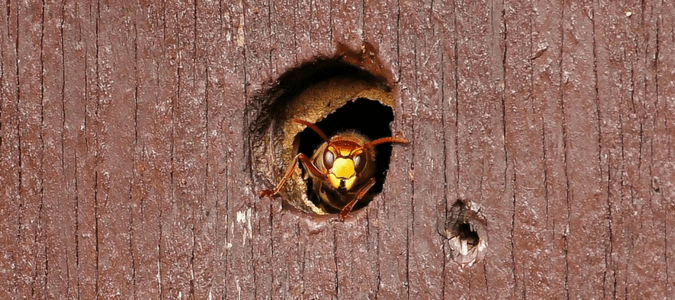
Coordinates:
column 359, row 162
column 328, row 158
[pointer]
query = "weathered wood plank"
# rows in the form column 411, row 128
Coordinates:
column 125, row 167
column 115, row 108
column 240, row 213
column 628, row 97
column 456, row 282
column 421, row 84
column 31, row 251
column 531, row 83
column 313, row 33
column 59, row 214
column 547, row 84
column 664, row 139
column 78, row 34
column 482, row 175
column 188, row 156
column 396, row 203
column 259, row 69
column 525, row 164
column 215, row 54
column 152, row 149
column 587, row 224
column 346, row 22
column 10, row 156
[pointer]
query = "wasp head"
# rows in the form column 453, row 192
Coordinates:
column 344, row 159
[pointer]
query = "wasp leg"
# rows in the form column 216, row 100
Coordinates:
column 309, row 166
column 362, row 192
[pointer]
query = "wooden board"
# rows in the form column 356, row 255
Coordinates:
column 125, row 164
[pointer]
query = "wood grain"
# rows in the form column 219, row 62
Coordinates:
column 125, row 158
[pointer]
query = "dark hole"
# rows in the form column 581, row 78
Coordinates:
column 465, row 232
column 368, row 117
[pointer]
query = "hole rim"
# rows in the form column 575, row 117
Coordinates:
column 462, row 214
column 271, row 155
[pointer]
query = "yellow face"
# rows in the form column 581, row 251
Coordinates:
column 343, row 170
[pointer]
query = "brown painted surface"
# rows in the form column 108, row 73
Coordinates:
column 125, row 166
